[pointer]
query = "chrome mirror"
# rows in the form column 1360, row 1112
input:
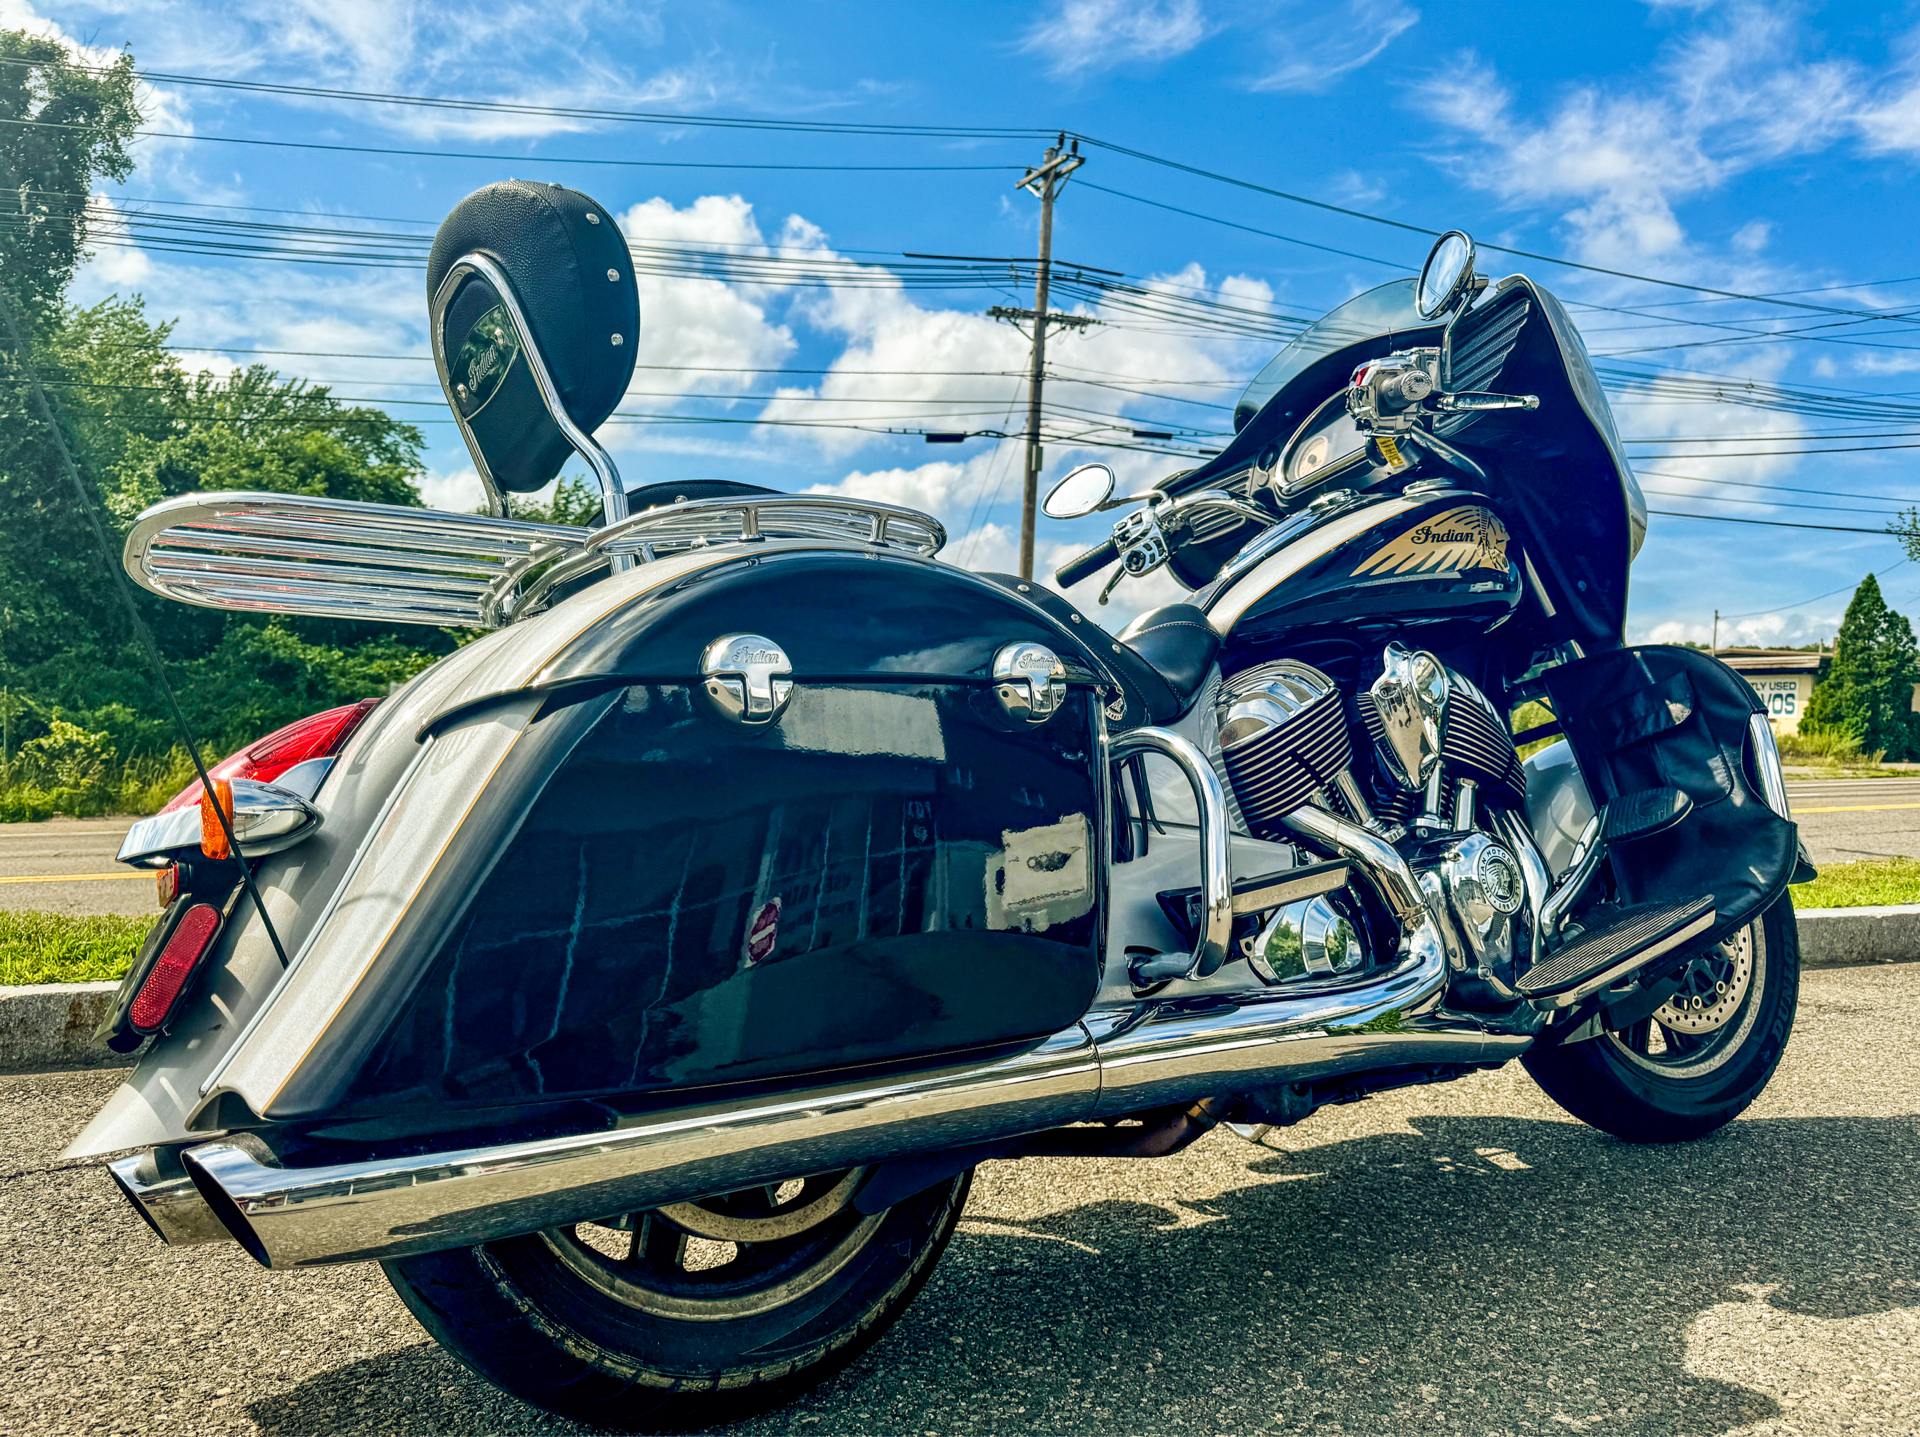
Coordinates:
column 1081, row 492
column 1447, row 274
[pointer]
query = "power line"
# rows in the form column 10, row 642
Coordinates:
column 1423, row 230
column 1767, row 503
column 1770, row 523
column 1752, row 484
column 912, row 131
column 1797, row 603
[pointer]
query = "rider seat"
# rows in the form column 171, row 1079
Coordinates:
column 1161, row 658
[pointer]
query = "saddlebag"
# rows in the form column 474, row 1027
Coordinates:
column 1659, row 716
column 891, row 869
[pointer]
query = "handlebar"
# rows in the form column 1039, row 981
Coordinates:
column 1087, row 565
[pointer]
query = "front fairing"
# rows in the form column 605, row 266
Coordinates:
column 1559, row 473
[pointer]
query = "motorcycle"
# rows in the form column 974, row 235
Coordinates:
column 642, row 983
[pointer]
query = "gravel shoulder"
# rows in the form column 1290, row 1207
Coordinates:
column 1453, row 1259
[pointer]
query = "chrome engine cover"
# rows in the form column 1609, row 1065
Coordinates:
column 1479, row 880
column 1318, row 936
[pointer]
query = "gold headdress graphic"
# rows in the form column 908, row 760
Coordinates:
column 1469, row 537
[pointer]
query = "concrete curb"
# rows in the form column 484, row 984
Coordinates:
column 49, row 1027
column 1848, row 937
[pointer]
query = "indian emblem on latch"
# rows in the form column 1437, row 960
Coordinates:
column 1030, row 682
column 743, row 677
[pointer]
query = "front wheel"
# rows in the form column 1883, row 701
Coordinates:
column 685, row 1316
column 1702, row 1057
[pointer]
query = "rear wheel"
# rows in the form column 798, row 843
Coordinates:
column 689, row 1315
column 1706, row 1054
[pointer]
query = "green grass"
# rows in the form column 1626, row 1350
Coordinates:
column 1866, row 884
column 60, row 948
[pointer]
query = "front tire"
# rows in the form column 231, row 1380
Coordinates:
column 1703, row 1057
column 685, row 1316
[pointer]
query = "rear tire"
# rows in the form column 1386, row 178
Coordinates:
column 648, row 1324
column 1703, row 1058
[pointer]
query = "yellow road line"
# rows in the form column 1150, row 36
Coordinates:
column 1855, row 808
column 91, row 877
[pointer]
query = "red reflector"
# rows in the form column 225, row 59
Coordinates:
column 264, row 760
column 191, row 937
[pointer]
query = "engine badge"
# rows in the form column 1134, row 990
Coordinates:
column 1499, row 879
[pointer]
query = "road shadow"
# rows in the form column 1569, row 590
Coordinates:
column 1475, row 1274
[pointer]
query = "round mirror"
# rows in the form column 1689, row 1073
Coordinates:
column 1448, row 271
column 1081, row 492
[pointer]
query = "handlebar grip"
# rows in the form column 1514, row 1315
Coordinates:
column 1087, row 565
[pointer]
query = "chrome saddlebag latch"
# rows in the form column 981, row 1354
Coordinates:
column 1030, row 682
column 744, row 678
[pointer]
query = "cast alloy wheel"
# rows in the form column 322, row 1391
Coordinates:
column 739, row 1255
column 689, row 1315
column 1702, row 1057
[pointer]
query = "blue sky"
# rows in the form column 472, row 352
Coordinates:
column 1758, row 149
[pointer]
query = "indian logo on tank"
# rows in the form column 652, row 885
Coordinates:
column 1469, row 537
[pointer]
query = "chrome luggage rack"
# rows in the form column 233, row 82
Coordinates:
column 342, row 559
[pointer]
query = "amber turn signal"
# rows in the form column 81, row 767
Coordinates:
column 213, row 835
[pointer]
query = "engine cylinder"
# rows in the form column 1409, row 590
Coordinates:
column 1283, row 738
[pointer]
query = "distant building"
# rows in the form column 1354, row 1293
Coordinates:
column 1784, row 680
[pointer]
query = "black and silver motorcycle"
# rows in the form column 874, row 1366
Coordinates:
column 641, row 984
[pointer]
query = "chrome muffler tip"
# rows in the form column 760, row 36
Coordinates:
column 162, row 1192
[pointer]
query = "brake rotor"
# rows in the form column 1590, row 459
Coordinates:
column 1714, row 986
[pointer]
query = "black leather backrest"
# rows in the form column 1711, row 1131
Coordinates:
column 569, row 267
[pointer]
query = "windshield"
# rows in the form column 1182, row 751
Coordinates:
column 1378, row 311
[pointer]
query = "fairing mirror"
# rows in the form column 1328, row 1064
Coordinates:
column 534, row 318
column 1447, row 275
column 1083, row 491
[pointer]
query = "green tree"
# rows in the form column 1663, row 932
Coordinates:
column 65, row 126
column 1868, row 690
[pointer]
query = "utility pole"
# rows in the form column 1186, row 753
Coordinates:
column 1716, row 633
column 1044, row 184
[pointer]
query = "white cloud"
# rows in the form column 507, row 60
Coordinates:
column 1755, row 631
column 1089, row 35
column 692, row 324
column 1314, row 45
column 552, row 58
column 1727, row 98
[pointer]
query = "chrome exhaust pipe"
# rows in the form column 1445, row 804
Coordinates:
column 165, row 1197
column 1110, row 1064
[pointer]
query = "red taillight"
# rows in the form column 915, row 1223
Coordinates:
column 264, row 760
column 186, row 945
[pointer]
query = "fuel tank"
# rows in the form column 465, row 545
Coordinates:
column 1434, row 563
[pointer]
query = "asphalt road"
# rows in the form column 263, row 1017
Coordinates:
column 66, row 865
column 1845, row 819
column 1458, row 1259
